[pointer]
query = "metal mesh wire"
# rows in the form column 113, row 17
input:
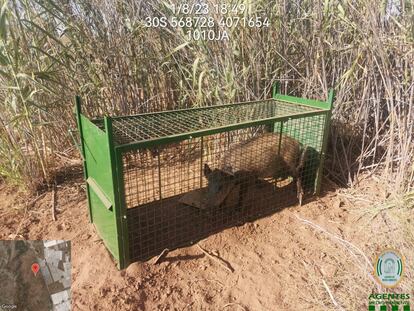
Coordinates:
column 132, row 129
column 174, row 199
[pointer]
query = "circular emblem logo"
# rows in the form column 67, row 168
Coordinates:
column 389, row 268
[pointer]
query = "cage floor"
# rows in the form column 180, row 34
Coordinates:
column 132, row 129
column 170, row 224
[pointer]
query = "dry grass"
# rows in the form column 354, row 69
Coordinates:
column 50, row 51
column 377, row 224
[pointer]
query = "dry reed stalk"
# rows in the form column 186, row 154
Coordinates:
column 336, row 304
column 217, row 259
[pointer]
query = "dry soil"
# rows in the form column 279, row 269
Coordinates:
column 315, row 257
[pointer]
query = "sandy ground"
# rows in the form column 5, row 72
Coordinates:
column 315, row 257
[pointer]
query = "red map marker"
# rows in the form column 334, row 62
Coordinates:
column 35, row 268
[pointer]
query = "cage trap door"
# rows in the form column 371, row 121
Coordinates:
column 100, row 185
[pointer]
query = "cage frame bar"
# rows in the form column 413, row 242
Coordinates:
column 122, row 210
column 325, row 105
column 116, row 169
column 78, row 111
column 327, row 126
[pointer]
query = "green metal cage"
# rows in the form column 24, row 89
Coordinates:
column 148, row 176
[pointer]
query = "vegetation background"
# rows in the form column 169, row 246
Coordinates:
column 51, row 50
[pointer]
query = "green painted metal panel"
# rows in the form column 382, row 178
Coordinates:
column 302, row 101
column 97, row 156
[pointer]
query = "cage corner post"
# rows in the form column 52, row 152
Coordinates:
column 78, row 111
column 327, row 125
column 275, row 89
column 115, row 157
column 122, row 206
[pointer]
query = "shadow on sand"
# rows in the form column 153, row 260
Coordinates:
column 170, row 224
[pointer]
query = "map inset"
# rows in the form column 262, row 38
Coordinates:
column 35, row 275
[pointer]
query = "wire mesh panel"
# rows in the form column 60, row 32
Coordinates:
column 154, row 182
column 178, row 193
column 131, row 129
column 161, row 172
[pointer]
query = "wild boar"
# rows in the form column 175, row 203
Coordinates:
column 270, row 155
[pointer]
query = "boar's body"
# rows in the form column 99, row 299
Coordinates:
column 270, row 155
column 263, row 157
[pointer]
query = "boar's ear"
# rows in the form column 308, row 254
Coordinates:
column 207, row 170
column 228, row 169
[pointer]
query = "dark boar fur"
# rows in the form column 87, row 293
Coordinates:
column 225, row 187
